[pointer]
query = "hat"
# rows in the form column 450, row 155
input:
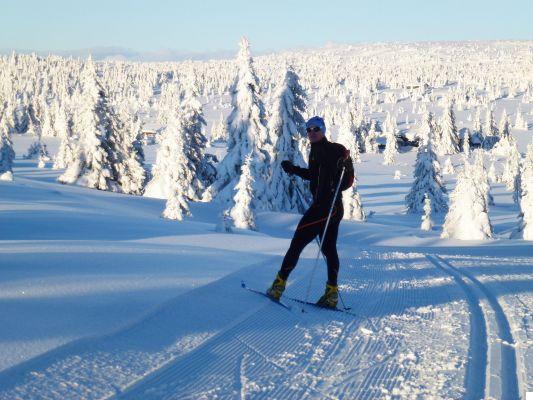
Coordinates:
column 316, row 121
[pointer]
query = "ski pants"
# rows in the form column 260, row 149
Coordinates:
column 310, row 226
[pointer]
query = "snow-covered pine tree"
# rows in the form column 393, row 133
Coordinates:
column 481, row 178
column 193, row 121
column 427, row 223
column 391, row 145
column 7, row 154
column 427, row 181
column 448, row 168
column 511, row 169
column 353, row 206
column 525, row 230
column 247, row 134
column 449, row 140
column 219, row 132
column 93, row 167
column 167, row 172
column 466, row 144
column 467, row 217
column 371, row 145
column 127, row 154
column 242, row 212
column 493, row 174
column 287, row 128
column 505, row 125
column 65, row 154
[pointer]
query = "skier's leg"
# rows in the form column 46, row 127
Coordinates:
column 305, row 232
column 329, row 246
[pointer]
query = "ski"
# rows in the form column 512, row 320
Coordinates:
column 243, row 285
column 342, row 310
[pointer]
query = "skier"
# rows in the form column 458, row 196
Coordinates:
column 326, row 160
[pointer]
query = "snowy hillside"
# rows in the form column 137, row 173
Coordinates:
column 118, row 278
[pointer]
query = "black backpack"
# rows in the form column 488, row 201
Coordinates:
column 349, row 173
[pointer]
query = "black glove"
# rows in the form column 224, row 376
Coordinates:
column 287, row 166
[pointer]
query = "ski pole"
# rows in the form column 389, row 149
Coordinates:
column 323, row 236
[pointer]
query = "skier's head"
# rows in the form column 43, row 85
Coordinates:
column 316, row 129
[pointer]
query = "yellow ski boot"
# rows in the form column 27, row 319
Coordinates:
column 276, row 290
column 330, row 298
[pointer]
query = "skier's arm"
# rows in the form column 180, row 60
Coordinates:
column 289, row 168
column 303, row 173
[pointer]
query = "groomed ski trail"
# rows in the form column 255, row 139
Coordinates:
column 274, row 354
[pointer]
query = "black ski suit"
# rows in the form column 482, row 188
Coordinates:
column 323, row 173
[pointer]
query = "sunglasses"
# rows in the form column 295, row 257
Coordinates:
column 313, row 129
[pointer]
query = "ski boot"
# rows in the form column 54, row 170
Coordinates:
column 330, row 298
column 276, row 290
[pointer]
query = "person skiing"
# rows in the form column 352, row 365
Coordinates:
column 326, row 160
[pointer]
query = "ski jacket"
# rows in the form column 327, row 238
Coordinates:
column 325, row 164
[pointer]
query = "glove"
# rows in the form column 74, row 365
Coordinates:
column 287, row 166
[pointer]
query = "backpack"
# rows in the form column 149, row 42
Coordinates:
column 349, row 173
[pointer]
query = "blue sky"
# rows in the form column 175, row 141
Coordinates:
column 210, row 26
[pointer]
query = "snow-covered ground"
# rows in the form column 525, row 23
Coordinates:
column 102, row 298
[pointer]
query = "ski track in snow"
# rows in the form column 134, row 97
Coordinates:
column 323, row 354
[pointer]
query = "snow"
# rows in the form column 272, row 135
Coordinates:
column 101, row 297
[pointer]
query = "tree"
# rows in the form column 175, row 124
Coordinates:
column 481, row 177
column 427, row 182
column 511, row 171
column 391, row 145
column 287, row 127
column 448, row 167
column 371, row 145
column 467, row 217
column 93, row 167
column 127, row 155
column 525, row 230
column 219, row 132
column 353, row 207
column 242, row 212
column 247, row 135
column 427, row 223
column 449, row 140
column 7, row 154
column 171, row 168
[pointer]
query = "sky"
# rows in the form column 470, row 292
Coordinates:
column 209, row 27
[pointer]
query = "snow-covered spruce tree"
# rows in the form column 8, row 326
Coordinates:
column 241, row 211
column 371, row 144
column 511, row 169
column 391, row 145
column 7, row 154
column 219, row 132
column 427, row 223
column 449, row 140
column 65, row 154
column 448, row 168
column 287, row 127
column 247, row 133
column 348, row 138
column 353, row 207
column 493, row 174
column 505, row 125
column 481, row 176
column 167, row 171
column 193, row 121
column 177, row 177
column 525, row 230
column 93, row 168
column 127, row 154
column 466, row 144
column 427, row 181
column 467, row 217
